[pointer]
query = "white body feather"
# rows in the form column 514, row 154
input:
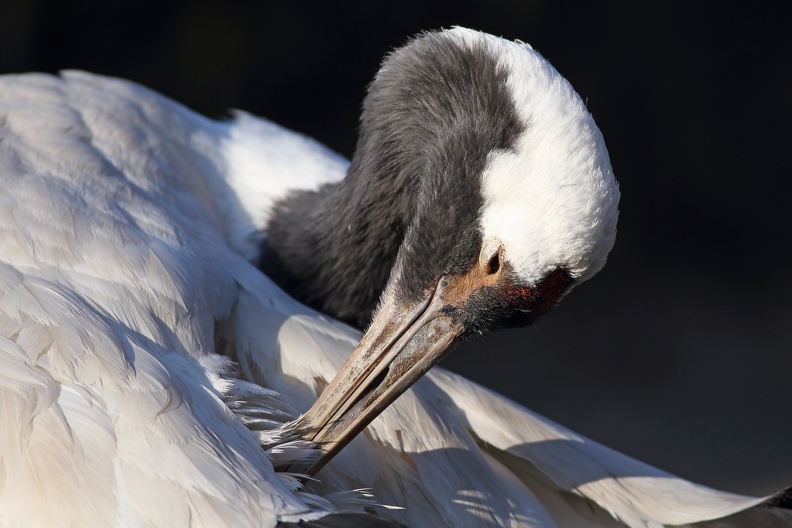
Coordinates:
column 124, row 264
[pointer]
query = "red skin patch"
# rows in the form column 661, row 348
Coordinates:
column 540, row 298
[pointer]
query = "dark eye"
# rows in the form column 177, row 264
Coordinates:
column 494, row 264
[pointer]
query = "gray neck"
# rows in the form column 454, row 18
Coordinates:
column 333, row 249
column 412, row 195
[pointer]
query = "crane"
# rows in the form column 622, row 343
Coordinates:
column 179, row 299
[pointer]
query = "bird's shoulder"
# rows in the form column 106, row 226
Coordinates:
column 115, row 139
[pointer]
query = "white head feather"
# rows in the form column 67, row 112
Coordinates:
column 559, row 171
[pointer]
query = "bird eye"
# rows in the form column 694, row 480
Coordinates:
column 490, row 256
column 494, row 263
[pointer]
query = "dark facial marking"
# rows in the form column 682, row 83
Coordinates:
column 536, row 300
column 505, row 303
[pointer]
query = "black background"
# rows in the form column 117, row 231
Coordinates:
column 678, row 353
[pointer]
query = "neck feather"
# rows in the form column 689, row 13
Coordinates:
column 412, row 196
column 333, row 248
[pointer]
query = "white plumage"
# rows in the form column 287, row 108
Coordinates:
column 125, row 247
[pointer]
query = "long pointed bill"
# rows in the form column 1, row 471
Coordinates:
column 404, row 342
column 400, row 346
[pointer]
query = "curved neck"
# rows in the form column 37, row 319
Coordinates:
column 412, row 195
column 333, row 248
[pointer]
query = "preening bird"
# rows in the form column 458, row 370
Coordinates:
column 163, row 358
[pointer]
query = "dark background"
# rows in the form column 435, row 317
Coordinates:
column 678, row 353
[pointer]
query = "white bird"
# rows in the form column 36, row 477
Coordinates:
column 145, row 358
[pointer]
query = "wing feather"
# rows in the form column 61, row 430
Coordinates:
column 552, row 458
column 456, row 452
column 114, row 267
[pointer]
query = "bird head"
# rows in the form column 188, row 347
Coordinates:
column 515, row 203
